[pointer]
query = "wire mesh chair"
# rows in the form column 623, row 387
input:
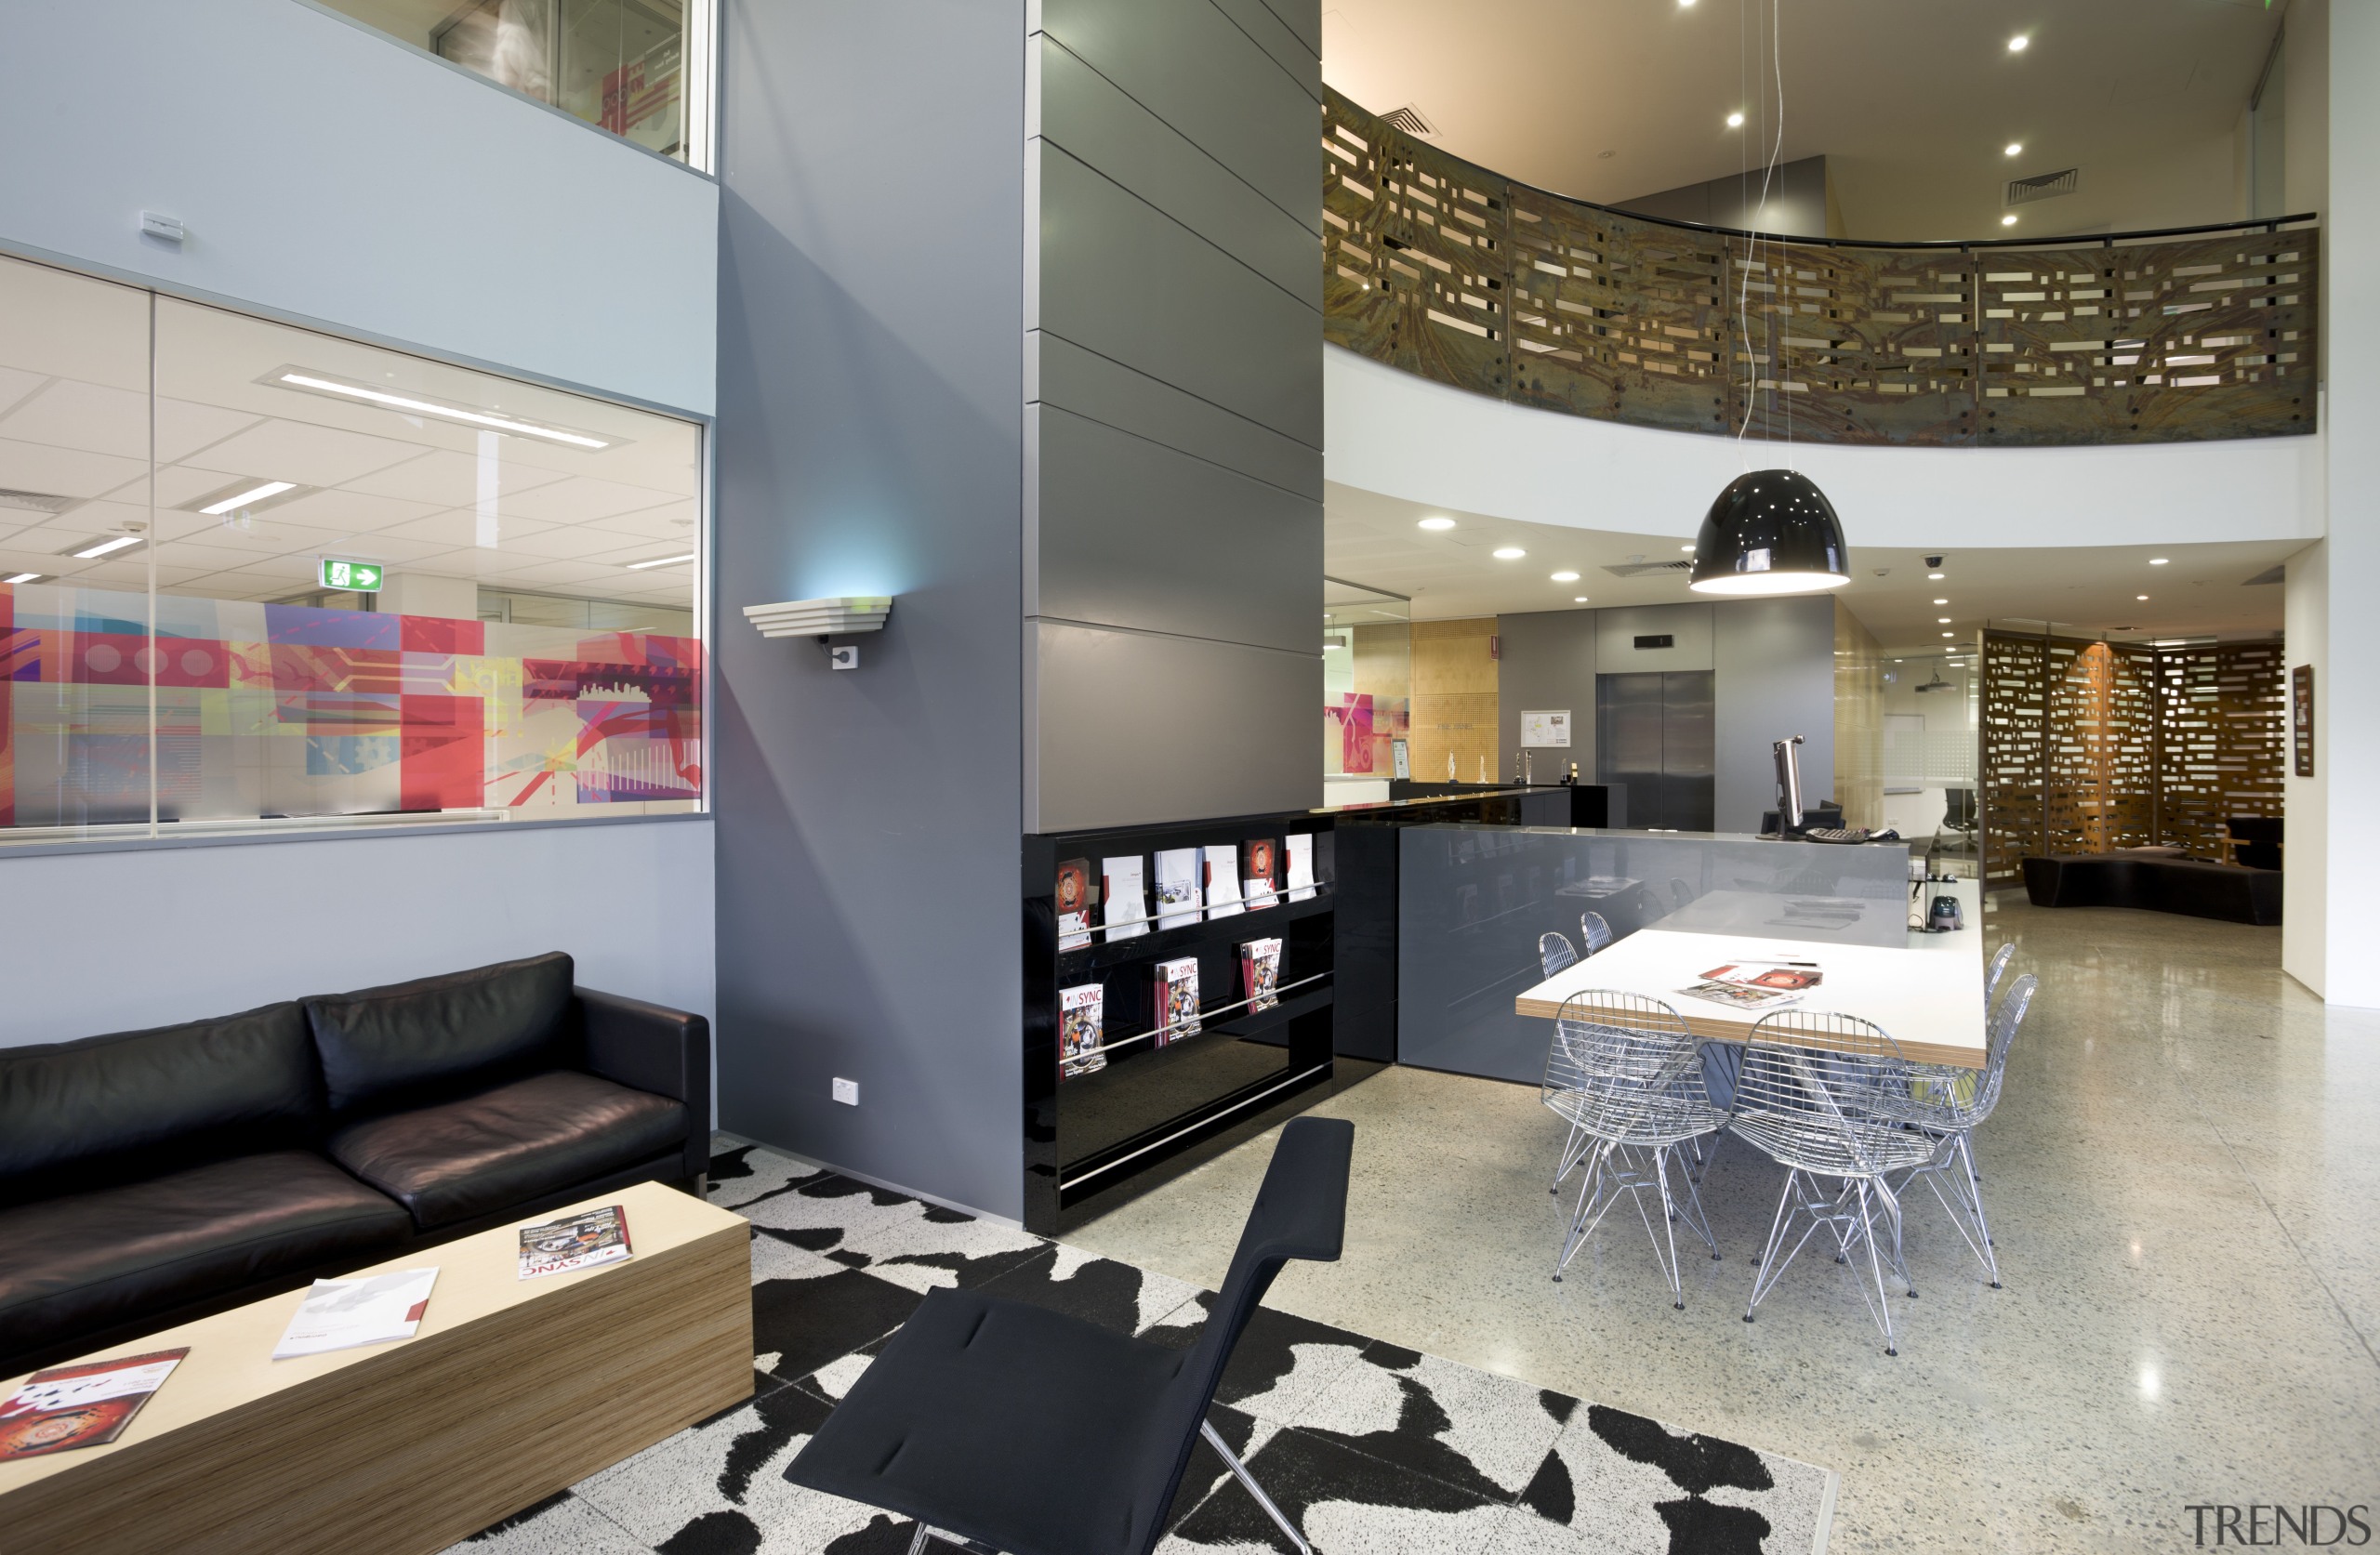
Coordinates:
column 1627, row 1073
column 1683, row 892
column 1594, row 931
column 1814, row 1095
column 2000, row 959
column 1948, row 1104
column 1556, row 952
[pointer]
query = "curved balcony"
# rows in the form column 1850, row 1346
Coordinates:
column 1447, row 270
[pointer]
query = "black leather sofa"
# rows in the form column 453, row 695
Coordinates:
column 153, row 1177
column 2157, row 880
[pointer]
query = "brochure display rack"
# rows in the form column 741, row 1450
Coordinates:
column 1178, row 990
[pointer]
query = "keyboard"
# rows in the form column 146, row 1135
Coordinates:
column 1836, row 834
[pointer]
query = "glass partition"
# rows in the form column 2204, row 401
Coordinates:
column 1367, row 687
column 258, row 575
column 622, row 65
column 1471, row 901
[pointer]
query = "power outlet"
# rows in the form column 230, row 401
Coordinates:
column 847, row 1091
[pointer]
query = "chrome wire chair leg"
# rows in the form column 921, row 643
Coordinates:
column 1771, row 1265
column 1231, row 1460
column 917, row 1541
column 1592, row 1203
column 1573, row 1152
column 1884, row 1309
column 1981, row 1241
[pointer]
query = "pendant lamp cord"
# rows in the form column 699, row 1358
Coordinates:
column 1764, row 258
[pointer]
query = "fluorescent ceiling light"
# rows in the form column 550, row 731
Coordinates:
column 102, row 548
column 1734, row 120
column 1945, row 633
column 1579, row 599
column 660, row 562
column 415, row 405
column 24, row 578
column 1941, row 620
column 256, row 494
column 1941, row 601
column 1437, row 523
column 1509, row 553
column 1933, row 577
column 1565, row 577
column 2015, row 149
column 2018, row 44
column 2157, row 561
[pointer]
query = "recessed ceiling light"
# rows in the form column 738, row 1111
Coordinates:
column 1933, row 577
column 659, row 561
column 2007, row 222
column 102, row 548
column 25, row 577
column 1945, row 633
column 254, row 493
column 1734, row 120
column 2157, row 561
column 1509, row 553
column 1577, row 598
column 1437, row 523
column 1941, row 601
column 1688, row 549
column 1941, row 620
column 413, row 404
column 2015, row 149
column 2141, row 595
column 2018, row 44
column 1565, row 577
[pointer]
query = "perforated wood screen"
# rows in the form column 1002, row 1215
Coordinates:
column 2089, row 746
column 1443, row 268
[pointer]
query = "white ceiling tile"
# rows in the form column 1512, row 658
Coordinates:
column 451, row 479
column 299, row 450
column 579, row 498
column 32, row 466
column 460, row 529
column 354, row 511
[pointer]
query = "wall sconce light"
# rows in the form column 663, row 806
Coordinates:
column 824, row 618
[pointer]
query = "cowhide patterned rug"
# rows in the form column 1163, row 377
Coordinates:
column 1369, row 1448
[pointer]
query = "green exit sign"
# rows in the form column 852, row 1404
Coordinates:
column 361, row 577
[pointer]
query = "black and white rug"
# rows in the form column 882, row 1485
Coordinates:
column 1369, row 1448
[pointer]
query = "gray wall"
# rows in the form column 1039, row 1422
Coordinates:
column 1773, row 662
column 1173, row 417
column 327, row 172
column 869, row 441
column 1796, row 204
column 1773, row 675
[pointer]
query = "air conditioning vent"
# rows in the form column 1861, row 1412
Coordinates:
column 37, row 502
column 2043, row 186
column 1410, row 120
column 1639, row 569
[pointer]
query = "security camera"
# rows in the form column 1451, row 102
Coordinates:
column 1933, row 561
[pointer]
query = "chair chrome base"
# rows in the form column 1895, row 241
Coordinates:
column 1613, row 1170
column 1959, row 1186
column 1851, row 1218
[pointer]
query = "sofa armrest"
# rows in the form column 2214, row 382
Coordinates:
column 655, row 1048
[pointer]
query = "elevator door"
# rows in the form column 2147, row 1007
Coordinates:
column 1653, row 733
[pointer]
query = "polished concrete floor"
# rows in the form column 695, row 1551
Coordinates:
column 2184, row 1176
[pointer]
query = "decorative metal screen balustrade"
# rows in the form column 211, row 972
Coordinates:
column 1443, row 268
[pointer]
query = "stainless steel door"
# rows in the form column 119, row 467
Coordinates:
column 1653, row 732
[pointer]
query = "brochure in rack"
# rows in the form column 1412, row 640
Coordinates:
column 1300, row 856
column 1119, row 892
column 585, row 1240
column 83, row 1405
column 1074, row 903
column 340, row 1314
column 1222, row 881
column 1079, row 1015
column 1257, row 883
column 1260, row 973
column 1755, row 985
column 1177, row 999
column 1177, row 887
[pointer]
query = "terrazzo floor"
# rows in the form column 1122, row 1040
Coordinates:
column 2183, row 1175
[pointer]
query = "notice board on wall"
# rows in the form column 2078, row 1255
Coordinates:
column 1546, row 727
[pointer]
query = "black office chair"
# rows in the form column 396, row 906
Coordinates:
column 1006, row 1426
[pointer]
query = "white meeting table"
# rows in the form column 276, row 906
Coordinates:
column 1928, row 996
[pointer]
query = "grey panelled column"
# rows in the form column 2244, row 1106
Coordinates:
column 1020, row 313
column 1173, row 417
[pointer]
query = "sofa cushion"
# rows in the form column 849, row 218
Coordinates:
column 112, row 1109
column 508, row 1145
column 387, row 1047
column 86, row 1262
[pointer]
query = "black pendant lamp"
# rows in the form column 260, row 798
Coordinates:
column 1772, row 532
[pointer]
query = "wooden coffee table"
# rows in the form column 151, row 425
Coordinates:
column 511, row 1390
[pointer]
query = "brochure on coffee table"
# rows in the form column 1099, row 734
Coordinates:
column 340, row 1314
column 1755, row 985
column 83, row 1405
column 586, row 1240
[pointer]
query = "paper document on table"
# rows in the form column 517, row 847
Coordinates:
column 1755, row 985
column 340, row 1314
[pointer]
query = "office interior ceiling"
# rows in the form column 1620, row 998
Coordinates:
column 2200, row 590
column 1912, row 101
column 375, row 484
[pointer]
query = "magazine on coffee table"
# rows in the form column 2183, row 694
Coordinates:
column 340, row 1314
column 581, row 1241
column 83, row 1405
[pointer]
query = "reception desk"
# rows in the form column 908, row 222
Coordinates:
column 1474, row 900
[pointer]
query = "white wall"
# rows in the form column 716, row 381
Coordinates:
column 327, row 172
column 2304, row 802
column 106, row 941
column 1483, row 455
